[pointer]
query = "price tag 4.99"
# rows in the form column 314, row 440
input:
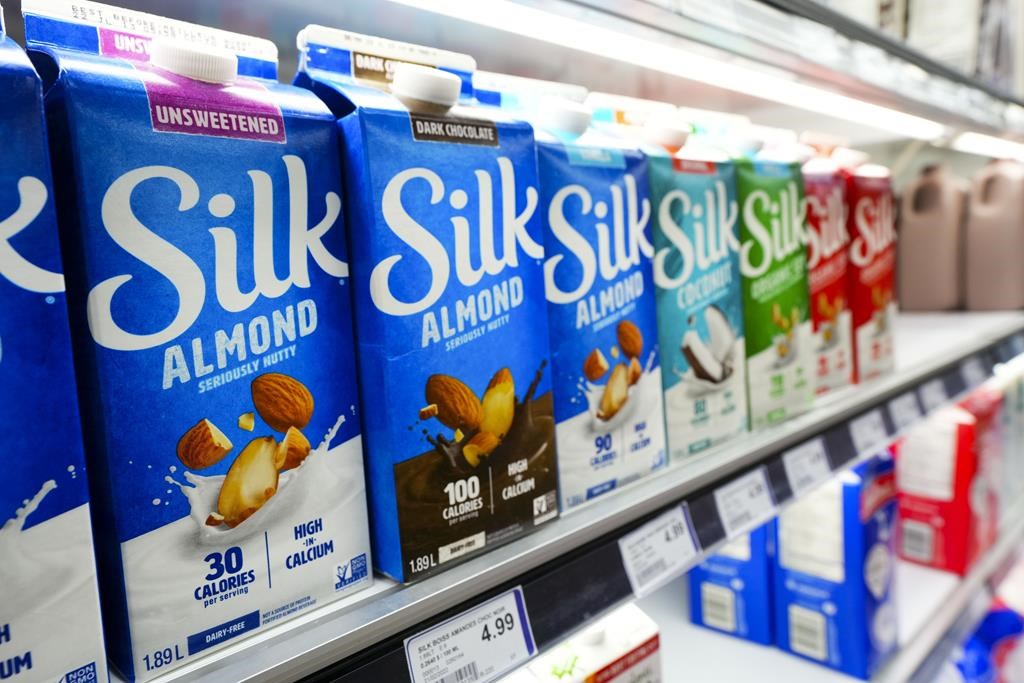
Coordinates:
column 478, row 645
column 745, row 502
column 659, row 551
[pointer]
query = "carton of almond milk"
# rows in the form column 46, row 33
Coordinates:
column 49, row 604
column 447, row 264
column 601, row 307
column 776, row 302
column 208, row 287
column 598, row 281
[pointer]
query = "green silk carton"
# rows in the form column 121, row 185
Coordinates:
column 773, row 269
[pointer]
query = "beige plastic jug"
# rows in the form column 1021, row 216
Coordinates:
column 931, row 249
column 994, row 239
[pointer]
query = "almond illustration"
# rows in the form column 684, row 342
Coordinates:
column 282, row 401
column 616, row 393
column 250, row 482
column 202, row 446
column 215, row 519
column 631, row 341
column 292, row 450
column 499, row 404
column 247, row 421
column 457, row 405
column 427, row 412
column 635, row 371
column 481, row 445
column 595, row 365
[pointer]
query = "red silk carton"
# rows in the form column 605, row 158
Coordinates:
column 828, row 243
column 872, row 265
column 945, row 473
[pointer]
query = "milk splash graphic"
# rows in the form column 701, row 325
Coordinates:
column 640, row 401
column 15, row 561
column 309, row 481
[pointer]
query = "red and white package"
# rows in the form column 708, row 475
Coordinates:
column 827, row 256
column 946, row 477
column 872, row 268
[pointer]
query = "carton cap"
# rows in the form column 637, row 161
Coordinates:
column 198, row 62
column 564, row 116
column 667, row 132
column 417, row 83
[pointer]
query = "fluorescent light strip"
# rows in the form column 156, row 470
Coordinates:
column 579, row 35
column 988, row 146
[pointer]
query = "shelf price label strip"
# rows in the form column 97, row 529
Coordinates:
column 479, row 644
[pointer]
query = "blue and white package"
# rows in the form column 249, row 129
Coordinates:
column 834, row 571
column 447, row 249
column 601, row 306
column 208, row 291
column 731, row 590
column 49, row 603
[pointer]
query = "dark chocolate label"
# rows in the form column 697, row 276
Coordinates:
column 369, row 67
column 454, row 130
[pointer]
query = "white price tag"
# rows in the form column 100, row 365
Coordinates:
column 745, row 502
column 933, row 395
column 868, row 432
column 659, row 551
column 478, row 645
column 806, row 466
column 904, row 410
column 973, row 372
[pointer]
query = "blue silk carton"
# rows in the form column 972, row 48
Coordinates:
column 49, row 604
column 731, row 590
column 208, row 289
column 835, row 560
column 601, row 306
column 447, row 266
column 598, row 282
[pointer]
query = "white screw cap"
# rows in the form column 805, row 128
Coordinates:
column 564, row 116
column 198, row 62
column 413, row 82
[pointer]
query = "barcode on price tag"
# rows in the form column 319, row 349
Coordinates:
column 806, row 466
column 973, row 372
column 478, row 645
column 868, row 431
column 904, row 410
column 659, row 551
column 933, row 395
column 745, row 502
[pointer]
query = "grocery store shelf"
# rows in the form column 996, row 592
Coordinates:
column 571, row 569
column 931, row 604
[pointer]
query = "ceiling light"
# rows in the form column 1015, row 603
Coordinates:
column 577, row 34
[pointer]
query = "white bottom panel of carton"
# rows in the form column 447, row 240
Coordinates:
column 192, row 587
column 49, row 607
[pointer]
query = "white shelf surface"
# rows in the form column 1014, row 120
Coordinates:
column 305, row 645
column 929, row 603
